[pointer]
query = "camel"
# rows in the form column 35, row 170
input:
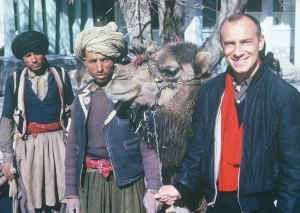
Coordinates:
column 162, row 89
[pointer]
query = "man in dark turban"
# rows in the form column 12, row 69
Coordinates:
column 105, row 160
column 37, row 107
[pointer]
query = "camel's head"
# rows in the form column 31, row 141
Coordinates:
column 162, row 89
column 168, row 73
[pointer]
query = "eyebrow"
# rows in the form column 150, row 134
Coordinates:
column 247, row 39
column 95, row 59
column 243, row 40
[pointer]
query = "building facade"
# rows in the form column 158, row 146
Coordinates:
column 61, row 22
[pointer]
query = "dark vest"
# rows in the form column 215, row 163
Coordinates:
column 42, row 111
column 56, row 91
column 122, row 143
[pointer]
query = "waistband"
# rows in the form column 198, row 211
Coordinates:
column 104, row 167
column 35, row 128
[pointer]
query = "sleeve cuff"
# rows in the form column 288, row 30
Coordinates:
column 7, row 157
column 71, row 196
column 153, row 184
column 182, row 189
column 71, row 192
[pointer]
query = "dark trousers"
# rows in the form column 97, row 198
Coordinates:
column 227, row 202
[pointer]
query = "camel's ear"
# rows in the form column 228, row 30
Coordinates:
column 202, row 60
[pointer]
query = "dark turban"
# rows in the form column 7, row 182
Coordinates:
column 30, row 41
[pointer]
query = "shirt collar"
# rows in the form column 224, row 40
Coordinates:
column 94, row 87
column 32, row 75
column 246, row 82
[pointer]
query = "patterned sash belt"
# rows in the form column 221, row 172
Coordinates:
column 104, row 167
column 35, row 128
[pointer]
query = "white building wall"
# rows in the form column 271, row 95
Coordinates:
column 279, row 39
column 1, row 24
column 282, row 43
column 267, row 23
column 193, row 23
column 9, row 25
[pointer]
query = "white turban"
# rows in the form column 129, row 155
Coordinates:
column 104, row 40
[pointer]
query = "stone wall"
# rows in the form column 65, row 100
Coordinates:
column 9, row 64
column 286, row 54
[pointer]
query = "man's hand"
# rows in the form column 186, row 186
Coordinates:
column 73, row 204
column 151, row 204
column 6, row 169
column 167, row 194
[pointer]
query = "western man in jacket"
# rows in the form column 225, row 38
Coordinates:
column 245, row 148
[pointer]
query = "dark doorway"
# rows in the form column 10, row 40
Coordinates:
column 103, row 12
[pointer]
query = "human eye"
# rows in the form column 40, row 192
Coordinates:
column 92, row 61
column 104, row 59
column 247, row 41
column 228, row 44
column 27, row 55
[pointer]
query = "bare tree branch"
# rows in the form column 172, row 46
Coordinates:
column 171, row 13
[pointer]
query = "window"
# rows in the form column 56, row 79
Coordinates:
column 103, row 12
column 254, row 8
column 284, row 12
column 154, row 14
column 210, row 12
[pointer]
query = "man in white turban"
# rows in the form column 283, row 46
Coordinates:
column 105, row 160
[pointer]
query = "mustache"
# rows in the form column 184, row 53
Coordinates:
column 37, row 63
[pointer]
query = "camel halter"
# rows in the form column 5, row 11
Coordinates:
column 161, row 84
column 158, row 78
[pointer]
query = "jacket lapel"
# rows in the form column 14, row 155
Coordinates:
column 85, row 100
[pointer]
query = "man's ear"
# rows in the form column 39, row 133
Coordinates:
column 261, row 42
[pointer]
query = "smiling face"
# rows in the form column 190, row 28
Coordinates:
column 100, row 67
column 35, row 62
column 240, row 45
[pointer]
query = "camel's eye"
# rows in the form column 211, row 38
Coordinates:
column 170, row 71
